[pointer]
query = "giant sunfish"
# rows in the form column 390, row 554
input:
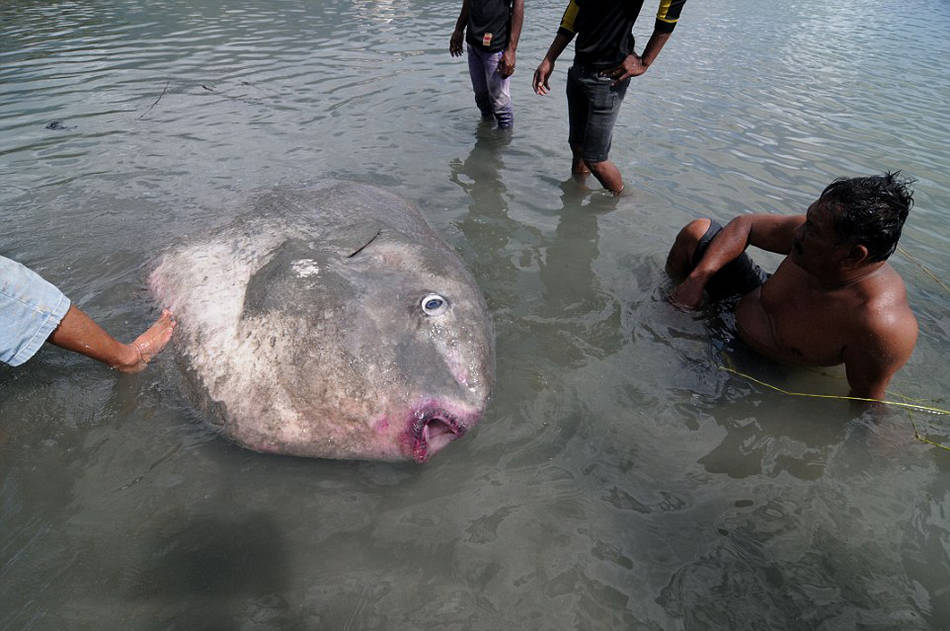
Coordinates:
column 331, row 322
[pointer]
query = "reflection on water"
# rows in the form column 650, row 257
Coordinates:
column 205, row 568
column 619, row 479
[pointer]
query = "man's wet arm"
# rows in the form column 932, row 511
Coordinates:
column 725, row 247
column 774, row 233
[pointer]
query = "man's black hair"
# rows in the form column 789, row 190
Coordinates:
column 870, row 211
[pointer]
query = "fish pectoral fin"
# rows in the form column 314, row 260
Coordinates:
column 294, row 281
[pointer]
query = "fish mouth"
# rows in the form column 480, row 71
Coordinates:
column 431, row 429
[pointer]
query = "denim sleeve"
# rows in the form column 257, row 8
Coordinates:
column 30, row 310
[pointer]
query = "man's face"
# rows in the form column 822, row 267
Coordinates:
column 816, row 248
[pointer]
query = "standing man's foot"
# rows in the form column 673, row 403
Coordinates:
column 148, row 344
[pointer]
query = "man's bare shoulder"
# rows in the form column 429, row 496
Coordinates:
column 885, row 319
column 881, row 337
column 885, row 293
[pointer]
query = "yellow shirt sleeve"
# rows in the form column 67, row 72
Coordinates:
column 570, row 14
column 668, row 13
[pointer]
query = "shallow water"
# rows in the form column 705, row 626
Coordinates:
column 619, row 479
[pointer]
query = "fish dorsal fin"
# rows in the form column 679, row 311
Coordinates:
column 350, row 240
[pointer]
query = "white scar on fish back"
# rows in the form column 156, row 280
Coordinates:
column 305, row 268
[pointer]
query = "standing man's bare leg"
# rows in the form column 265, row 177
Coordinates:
column 579, row 169
column 608, row 175
column 77, row 332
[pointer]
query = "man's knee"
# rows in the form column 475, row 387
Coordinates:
column 693, row 231
column 679, row 260
column 500, row 101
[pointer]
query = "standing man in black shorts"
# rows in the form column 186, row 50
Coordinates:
column 604, row 61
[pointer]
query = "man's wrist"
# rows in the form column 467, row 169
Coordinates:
column 700, row 275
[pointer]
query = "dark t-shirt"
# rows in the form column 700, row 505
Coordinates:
column 489, row 22
column 604, row 28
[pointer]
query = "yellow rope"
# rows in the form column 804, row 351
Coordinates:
column 924, row 439
column 926, row 271
column 911, row 406
column 922, row 408
column 923, row 269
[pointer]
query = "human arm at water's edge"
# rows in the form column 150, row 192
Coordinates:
column 506, row 65
column 635, row 65
column 774, row 233
column 455, row 43
column 544, row 70
column 565, row 33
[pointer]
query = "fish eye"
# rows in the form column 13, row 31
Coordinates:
column 434, row 304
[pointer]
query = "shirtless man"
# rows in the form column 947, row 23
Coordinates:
column 832, row 300
column 33, row 311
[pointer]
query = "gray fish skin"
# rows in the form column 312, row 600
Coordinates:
column 304, row 327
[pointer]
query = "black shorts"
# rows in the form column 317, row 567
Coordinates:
column 593, row 103
column 736, row 278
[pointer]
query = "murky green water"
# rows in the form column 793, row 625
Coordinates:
column 619, row 480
